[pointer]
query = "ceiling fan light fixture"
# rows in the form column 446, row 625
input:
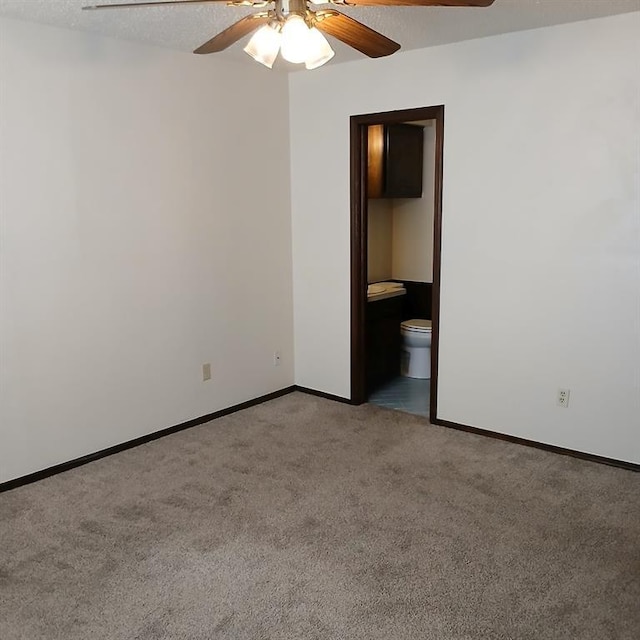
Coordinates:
column 264, row 45
column 295, row 39
column 288, row 28
column 319, row 50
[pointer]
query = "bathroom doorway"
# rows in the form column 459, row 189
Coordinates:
column 362, row 188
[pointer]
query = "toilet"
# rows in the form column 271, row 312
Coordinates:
column 416, row 348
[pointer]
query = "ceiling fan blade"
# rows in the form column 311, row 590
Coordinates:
column 233, row 33
column 355, row 34
column 131, row 5
column 417, row 3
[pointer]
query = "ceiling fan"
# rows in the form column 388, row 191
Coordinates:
column 294, row 28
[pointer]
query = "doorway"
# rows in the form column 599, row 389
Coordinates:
column 359, row 136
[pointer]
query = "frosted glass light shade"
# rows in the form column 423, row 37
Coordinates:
column 319, row 50
column 295, row 39
column 264, row 45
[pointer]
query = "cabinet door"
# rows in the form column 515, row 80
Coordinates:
column 404, row 155
column 383, row 341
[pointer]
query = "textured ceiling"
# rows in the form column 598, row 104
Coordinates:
column 185, row 28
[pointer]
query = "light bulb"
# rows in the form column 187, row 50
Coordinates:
column 295, row 39
column 264, row 45
column 319, row 50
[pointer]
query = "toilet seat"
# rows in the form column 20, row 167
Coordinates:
column 416, row 325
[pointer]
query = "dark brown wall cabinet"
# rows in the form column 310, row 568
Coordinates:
column 396, row 153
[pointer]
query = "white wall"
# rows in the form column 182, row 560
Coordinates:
column 541, row 246
column 142, row 235
column 379, row 239
column 412, row 235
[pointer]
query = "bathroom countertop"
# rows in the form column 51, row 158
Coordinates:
column 389, row 293
column 382, row 290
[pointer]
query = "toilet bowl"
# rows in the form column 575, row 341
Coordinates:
column 416, row 348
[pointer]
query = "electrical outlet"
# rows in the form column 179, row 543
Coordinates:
column 563, row 398
column 206, row 371
column 277, row 358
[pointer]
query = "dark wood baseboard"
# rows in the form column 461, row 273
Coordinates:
column 322, row 394
column 621, row 464
column 78, row 462
column 591, row 457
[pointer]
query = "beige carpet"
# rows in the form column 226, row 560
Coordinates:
column 303, row 518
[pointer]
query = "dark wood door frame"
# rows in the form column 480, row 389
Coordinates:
column 359, row 231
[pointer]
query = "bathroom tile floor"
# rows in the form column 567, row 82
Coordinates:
column 404, row 394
